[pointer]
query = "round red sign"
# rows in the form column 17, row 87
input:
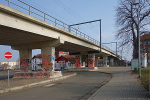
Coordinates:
column 8, row 55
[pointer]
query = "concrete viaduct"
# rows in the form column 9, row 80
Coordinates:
column 23, row 32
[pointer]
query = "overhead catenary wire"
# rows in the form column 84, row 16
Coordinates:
column 37, row 5
column 63, row 6
column 73, row 13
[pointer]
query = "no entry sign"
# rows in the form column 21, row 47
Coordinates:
column 8, row 55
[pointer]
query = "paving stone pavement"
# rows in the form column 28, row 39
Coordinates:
column 122, row 86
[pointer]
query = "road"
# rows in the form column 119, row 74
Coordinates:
column 73, row 88
column 4, row 75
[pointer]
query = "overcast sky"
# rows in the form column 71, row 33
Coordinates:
column 77, row 11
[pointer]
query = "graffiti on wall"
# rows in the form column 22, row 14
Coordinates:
column 91, row 61
column 47, row 62
column 25, row 65
column 104, row 61
column 77, row 59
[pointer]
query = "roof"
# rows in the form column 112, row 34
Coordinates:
column 68, row 57
column 37, row 56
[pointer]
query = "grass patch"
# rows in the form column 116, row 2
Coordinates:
column 145, row 77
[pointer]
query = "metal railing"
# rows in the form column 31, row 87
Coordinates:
column 48, row 18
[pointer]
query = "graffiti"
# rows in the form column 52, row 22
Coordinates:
column 91, row 60
column 46, row 62
column 90, row 63
column 32, row 75
column 104, row 60
column 77, row 59
column 25, row 64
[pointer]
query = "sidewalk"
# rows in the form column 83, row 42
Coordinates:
column 122, row 86
column 17, row 84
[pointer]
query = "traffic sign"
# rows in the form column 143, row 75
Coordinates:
column 8, row 55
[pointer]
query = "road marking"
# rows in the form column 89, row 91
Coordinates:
column 48, row 85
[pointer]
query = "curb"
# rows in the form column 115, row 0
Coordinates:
column 37, row 83
column 82, row 70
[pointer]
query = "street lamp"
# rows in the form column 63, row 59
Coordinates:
column 138, row 36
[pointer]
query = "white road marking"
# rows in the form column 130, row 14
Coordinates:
column 48, row 85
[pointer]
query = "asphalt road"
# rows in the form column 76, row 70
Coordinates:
column 4, row 75
column 73, row 88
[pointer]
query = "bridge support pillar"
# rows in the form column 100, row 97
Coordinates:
column 25, row 55
column 91, row 60
column 78, row 61
column 111, row 61
column 96, row 61
column 105, row 61
column 83, row 60
column 49, row 51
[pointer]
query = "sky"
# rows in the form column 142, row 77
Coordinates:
column 73, row 12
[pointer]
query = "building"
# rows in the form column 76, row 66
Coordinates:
column 145, row 46
column 11, row 65
column 65, row 62
column 60, row 53
column 37, row 62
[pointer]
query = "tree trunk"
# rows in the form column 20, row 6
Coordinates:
column 135, row 48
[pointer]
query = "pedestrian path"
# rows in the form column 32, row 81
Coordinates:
column 122, row 86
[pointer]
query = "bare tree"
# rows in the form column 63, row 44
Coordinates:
column 127, row 22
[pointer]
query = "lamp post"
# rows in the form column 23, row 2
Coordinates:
column 138, row 37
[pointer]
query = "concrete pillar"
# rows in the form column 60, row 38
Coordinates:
column 83, row 60
column 105, row 61
column 25, row 59
column 116, row 63
column 50, row 51
column 112, row 61
column 86, row 61
column 96, row 61
column 78, row 61
column 25, row 53
column 91, row 60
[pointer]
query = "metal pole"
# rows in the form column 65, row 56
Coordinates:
column 116, row 48
column 131, row 66
column 112, row 42
column 29, row 11
column 9, row 3
column 69, row 28
column 8, row 74
column 149, row 80
column 44, row 17
column 100, row 38
column 85, row 23
column 139, row 62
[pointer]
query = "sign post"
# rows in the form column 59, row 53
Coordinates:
column 134, row 64
column 8, row 55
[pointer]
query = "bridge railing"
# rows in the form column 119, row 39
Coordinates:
column 48, row 18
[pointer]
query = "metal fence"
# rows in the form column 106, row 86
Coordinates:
column 48, row 18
